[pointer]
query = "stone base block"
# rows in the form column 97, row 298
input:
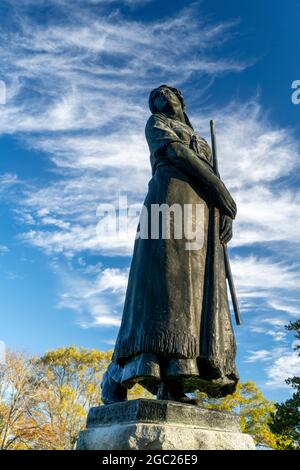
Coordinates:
column 161, row 425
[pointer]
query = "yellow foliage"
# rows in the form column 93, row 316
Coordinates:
column 252, row 407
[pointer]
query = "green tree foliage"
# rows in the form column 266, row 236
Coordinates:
column 286, row 419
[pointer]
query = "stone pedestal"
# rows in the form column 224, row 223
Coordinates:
column 161, row 425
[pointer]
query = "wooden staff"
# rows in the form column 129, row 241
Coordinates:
column 226, row 257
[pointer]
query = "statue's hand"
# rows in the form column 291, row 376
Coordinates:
column 225, row 229
column 225, row 201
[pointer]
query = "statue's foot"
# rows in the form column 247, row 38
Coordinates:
column 166, row 392
column 185, row 399
column 112, row 391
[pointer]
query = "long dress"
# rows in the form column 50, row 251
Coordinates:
column 176, row 324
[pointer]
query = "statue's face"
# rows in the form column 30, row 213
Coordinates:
column 165, row 100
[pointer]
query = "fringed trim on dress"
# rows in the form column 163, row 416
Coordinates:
column 164, row 343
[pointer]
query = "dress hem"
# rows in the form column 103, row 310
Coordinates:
column 165, row 344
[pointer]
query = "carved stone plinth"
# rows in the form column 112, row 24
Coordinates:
column 159, row 424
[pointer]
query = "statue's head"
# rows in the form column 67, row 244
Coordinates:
column 166, row 98
column 163, row 97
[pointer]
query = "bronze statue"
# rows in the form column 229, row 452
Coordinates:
column 176, row 334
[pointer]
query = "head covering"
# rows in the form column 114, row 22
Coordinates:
column 179, row 95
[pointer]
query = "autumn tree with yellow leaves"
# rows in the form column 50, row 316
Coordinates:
column 19, row 396
column 253, row 408
column 44, row 401
column 69, row 385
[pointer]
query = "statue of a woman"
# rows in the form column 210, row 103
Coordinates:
column 176, row 334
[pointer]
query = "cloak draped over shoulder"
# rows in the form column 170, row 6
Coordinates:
column 176, row 306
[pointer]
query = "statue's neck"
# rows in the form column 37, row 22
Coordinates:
column 178, row 115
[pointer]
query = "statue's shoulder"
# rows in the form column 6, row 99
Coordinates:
column 157, row 118
column 156, row 121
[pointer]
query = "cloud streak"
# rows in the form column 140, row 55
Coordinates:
column 101, row 297
column 77, row 88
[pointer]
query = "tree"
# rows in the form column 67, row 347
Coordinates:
column 44, row 401
column 70, row 380
column 286, row 418
column 19, row 394
column 253, row 408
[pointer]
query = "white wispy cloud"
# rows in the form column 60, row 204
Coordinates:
column 255, row 156
column 259, row 355
column 291, row 306
column 262, row 274
column 284, row 367
column 263, row 283
column 77, row 91
column 278, row 335
column 96, row 68
column 104, row 163
column 98, row 300
column 274, row 321
column 3, row 249
column 8, row 180
column 278, row 364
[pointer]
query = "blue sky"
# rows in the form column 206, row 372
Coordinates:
column 77, row 78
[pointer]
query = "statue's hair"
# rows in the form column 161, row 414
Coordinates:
column 174, row 90
column 179, row 96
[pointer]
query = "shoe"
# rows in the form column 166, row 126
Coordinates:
column 112, row 391
column 166, row 392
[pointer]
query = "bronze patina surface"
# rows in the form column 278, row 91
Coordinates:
column 176, row 333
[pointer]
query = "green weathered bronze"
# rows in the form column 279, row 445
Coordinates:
column 176, row 334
